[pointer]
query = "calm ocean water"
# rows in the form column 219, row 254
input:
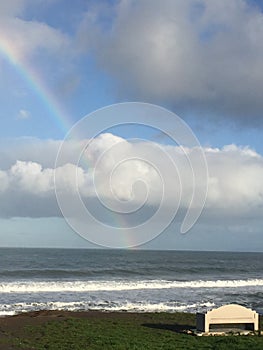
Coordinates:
column 117, row 280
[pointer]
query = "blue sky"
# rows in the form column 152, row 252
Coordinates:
column 202, row 60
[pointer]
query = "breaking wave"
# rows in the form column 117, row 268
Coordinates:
column 12, row 309
column 93, row 286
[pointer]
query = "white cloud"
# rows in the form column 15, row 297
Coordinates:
column 23, row 114
column 36, row 150
column 235, row 178
column 37, row 46
column 24, row 38
column 30, row 178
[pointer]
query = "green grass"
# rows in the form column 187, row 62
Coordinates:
column 133, row 332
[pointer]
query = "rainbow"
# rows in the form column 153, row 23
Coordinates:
column 37, row 85
column 55, row 110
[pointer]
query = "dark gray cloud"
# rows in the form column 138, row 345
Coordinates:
column 201, row 57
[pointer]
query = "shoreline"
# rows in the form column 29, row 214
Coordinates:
column 50, row 312
column 86, row 313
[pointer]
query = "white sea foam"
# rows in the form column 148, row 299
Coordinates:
column 11, row 309
column 7, row 313
column 90, row 286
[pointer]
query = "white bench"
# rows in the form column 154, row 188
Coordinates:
column 227, row 315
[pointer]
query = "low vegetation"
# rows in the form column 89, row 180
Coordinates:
column 122, row 331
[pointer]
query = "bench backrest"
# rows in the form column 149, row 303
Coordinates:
column 227, row 314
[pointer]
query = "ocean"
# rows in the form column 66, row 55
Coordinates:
column 127, row 280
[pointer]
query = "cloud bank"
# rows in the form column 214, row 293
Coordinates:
column 235, row 179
